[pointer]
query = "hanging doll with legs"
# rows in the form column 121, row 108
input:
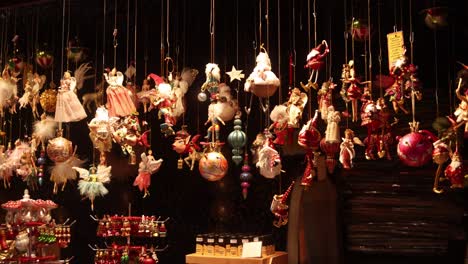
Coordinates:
column 353, row 92
column 148, row 166
column 92, row 181
column 347, row 152
column 119, row 98
column 68, row 108
column 315, row 63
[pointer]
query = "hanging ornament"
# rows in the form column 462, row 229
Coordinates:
column 60, row 151
column 68, row 107
column 119, row 98
column 347, row 152
column 126, row 133
column 237, row 139
column 41, row 161
column 315, row 63
column 359, row 30
column 461, row 113
column 44, row 59
column 245, row 176
column 353, row 91
column 32, row 87
column 279, row 207
column 331, row 143
column 415, row 149
column 309, row 138
column 213, row 77
column 148, row 166
column 48, row 99
column 371, row 118
column 436, row 17
column 180, row 87
column 27, row 169
column 181, row 145
column 146, row 95
column 455, row 171
column 75, row 52
column 165, row 103
column 440, row 154
column 8, row 90
column 213, row 165
column 13, row 161
column 324, row 98
column 221, row 109
column 16, row 62
column 279, row 116
column 235, row 74
column 405, row 82
column 257, row 145
column 262, row 81
column 295, row 107
column 269, row 160
column 92, row 181
column 100, row 130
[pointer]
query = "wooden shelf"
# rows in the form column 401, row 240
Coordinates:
column 277, row 258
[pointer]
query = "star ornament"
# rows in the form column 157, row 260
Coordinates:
column 235, row 74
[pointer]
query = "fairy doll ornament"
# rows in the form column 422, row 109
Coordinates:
column 68, row 107
column 92, row 181
column 148, row 166
column 119, row 98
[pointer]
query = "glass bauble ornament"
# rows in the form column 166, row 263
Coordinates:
column 48, row 100
column 415, row 149
column 59, row 149
column 44, row 59
column 213, row 166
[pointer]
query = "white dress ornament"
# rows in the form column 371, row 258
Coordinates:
column 68, row 108
column 92, row 181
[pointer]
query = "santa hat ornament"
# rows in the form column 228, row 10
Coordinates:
column 280, row 208
column 262, row 81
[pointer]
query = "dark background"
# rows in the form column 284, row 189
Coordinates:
column 195, row 205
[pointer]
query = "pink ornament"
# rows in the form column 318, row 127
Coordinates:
column 415, row 149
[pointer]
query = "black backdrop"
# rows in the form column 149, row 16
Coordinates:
column 195, row 205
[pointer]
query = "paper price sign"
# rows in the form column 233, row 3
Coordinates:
column 395, row 44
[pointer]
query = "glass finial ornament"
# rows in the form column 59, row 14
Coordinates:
column 41, row 161
column 245, row 176
column 237, row 139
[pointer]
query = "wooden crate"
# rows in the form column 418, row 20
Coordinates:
column 277, row 258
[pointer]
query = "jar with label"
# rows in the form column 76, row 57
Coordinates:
column 244, row 239
column 210, row 243
column 265, row 245
column 234, row 246
column 221, row 246
column 199, row 244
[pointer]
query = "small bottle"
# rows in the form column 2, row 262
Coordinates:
column 227, row 240
column 265, row 244
column 244, row 239
column 221, row 250
column 210, row 241
column 199, row 244
column 271, row 246
column 234, row 246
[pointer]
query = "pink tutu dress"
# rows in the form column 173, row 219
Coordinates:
column 68, row 107
column 119, row 98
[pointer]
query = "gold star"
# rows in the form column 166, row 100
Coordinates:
column 235, row 74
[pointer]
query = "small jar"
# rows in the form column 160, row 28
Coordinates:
column 210, row 243
column 265, row 244
column 199, row 244
column 221, row 246
column 234, row 246
column 244, row 239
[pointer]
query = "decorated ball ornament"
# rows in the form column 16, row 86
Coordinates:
column 48, row 99
column 436, row 17
column 44, row 59
column 213, row 166
column 359, row 30
column 59, row 149
column 202, row 97
column 16, row 63
column 415, row 149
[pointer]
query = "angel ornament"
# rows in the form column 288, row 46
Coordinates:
column 33, row 85
column 353, row 92
column 315, row 63
column 92, row 181
column 119, row 98
column 295, row 107
column 148, row 166
column 332, row 134
column 324, row 97
column 269, row 160
column 8, row 90
column 68, row 107
column 347, row 152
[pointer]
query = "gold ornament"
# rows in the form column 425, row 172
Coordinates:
column 48, row 100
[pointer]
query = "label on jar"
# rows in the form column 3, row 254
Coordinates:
column 209, row 250
column 199, row 249
column 233, row 252
column 221, row 251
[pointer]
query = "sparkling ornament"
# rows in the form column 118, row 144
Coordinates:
column 48, row 99
column 202, row 97
column 237, row 139
column 415, row 149
column 213, row 165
